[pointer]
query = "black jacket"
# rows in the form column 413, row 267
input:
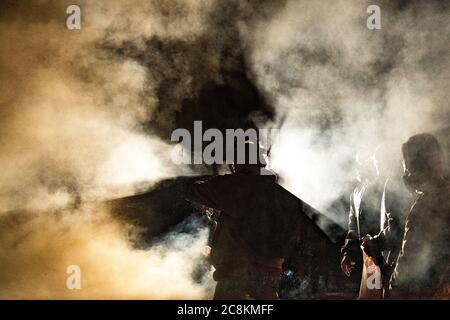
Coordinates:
column 376, row 210
column 259, row 218
column 422, row 269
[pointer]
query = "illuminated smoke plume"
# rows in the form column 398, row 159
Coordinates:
column 87, row 114
column 73, row 129
column 36, row 253
column 343, row 87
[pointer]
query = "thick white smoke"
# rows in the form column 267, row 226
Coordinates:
column 73, row 114
column 343, row 87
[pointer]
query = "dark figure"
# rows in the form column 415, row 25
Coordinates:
column 373, row 210
column 384, row 247
column 422, row 270
column 257, row 229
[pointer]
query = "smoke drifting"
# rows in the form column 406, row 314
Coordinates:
column 343, row 87
column 36, row 253
column 73, row 130
column 87, row 115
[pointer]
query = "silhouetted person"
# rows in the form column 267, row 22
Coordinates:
column 422, row 270
column 373, row 210
column 257, row 228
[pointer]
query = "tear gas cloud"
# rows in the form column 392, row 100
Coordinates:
column 75, row 108
column 36, row 253
column 343, row 87
column 72, row 129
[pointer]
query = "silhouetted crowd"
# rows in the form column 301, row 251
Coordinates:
column 402, row 249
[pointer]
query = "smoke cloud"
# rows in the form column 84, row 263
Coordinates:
column 87, row 115
column 36, row 253
column 73, row 130
column 343, row 87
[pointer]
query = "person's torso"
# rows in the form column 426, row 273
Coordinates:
column 423, row 260
column 259, row 219
column 367, row 202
